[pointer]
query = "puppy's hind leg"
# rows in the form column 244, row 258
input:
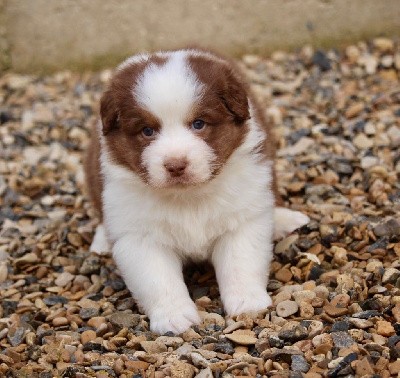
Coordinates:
column 286, row 221
column 100, row 244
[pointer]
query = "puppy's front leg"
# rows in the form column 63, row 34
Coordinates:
column 241, row 260
column 154, row 276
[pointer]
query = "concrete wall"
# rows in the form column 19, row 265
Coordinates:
column 51, row 34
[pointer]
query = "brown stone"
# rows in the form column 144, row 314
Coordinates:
column 60, row 321
column 341, row 300
column 182, row 370
column 96, row 321
column 334, row 311
column 354, row 109
column 394, row 367
column 87, row 336
column 284, row 275
column 381, row 364
column 384, row 328
column 396, row 312
column 153, row 347
column 323, row 348
column 136, row 365
column 363, row 367
column 242, row 337
column 306, row 310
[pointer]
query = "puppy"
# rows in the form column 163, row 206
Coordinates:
column 181, row 168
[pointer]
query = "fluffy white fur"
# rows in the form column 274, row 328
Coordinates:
column 228, row 220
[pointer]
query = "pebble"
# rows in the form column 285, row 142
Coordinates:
column 360, row 323
column 390, row 276
column 96, row 321
column 90, row 265
column 370, row 63
column 388, row 228
column 394, row 368
column 3, row 272
column 174, row 342
column 124, row 320
column 306, row 310
column 205, row 373
column 342, row 339
column 352, row 53
column 64, row 279
column 242, row 337
column 304, row 295
column 299, row 363
column 87, row 336
column 153, row 347
column 292, row 331
column 234, row 326
column 282, row 296
column 16, row 335
column 397, row 61
column 364, row 368
column 383, row 44
column 190, row 335
column 286, row 308
column 211, row 319
column 384, row 328
column 285, row 244
column 301, row 146
column 28, row 258
column 284, row 275
column 354, row 110
column 60, row 321
column 362, row 142
column 369, row 162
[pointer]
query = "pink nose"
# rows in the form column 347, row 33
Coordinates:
column 176, row 167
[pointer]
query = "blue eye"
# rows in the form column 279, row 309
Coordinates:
column 198, row 124
column 148, row 131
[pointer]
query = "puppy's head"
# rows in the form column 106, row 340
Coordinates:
column 174, row 118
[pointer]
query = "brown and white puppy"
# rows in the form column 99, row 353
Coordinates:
column 181, row 168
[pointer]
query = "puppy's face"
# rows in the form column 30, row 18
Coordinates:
column 174, row 118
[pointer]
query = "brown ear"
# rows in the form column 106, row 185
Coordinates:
column 108, row 112
column 234, row 97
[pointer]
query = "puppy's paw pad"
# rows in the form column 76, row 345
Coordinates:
column 100, row 244
column 177, row 319
column 239, row 304
column 286, row 221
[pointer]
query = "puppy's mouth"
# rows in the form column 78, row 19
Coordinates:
column 183, row 181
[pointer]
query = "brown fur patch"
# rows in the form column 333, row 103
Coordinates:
column 223, row 106
column 225, row 80
column 93, row 176
column 123, row 118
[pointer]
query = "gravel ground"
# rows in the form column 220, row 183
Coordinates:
column 335, row 283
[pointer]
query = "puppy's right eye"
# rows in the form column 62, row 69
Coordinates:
column 148, row 132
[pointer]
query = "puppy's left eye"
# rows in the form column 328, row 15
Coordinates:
column 148, row 132
column 198, row 124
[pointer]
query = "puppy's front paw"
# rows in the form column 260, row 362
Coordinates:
column 176, row 318
column 236, row 304
column 286, row 221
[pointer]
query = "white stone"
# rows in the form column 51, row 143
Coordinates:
column 361, row 141
column 64, row 279
column 286, row 308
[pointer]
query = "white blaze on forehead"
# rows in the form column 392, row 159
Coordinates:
column 168, row 90
column 134, row 59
